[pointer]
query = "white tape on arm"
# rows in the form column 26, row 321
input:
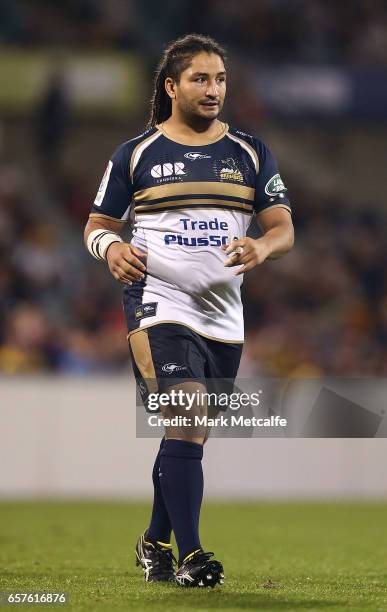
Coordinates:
column 99, row 241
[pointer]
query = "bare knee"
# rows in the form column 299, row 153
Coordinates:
column 188, row 415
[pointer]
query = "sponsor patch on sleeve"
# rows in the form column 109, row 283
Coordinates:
column 104, row 183
column 274, row 186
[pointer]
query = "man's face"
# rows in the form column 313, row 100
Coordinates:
column 202, row 87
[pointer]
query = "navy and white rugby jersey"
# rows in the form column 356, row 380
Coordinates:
column 186, row 202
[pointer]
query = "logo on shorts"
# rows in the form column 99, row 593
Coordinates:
column 171, row 368
column 142, row 387
column 145, row 310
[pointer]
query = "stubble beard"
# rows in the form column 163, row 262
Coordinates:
column 195, row 119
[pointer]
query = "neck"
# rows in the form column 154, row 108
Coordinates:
column 195, row 129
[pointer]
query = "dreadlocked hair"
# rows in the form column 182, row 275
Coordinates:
column 176, row 58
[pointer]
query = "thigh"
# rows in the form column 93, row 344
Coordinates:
column 223, row 359
column 221, row 369
column 164, row 355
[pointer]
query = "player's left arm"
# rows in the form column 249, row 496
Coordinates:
column 277, row 239
column 273, row 213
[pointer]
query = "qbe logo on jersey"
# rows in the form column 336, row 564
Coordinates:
column 168, row 172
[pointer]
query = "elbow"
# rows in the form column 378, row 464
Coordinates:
column 86, row 233
column 291, row 239
column 286, row 245
column 288, row 241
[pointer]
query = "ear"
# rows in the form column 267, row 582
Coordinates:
column 170, row 87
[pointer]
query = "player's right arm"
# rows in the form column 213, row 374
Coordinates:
column 122, row 258
column 107, row 218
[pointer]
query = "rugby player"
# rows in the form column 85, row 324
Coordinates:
column 191, row 184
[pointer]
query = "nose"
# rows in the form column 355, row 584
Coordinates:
column 213, row 89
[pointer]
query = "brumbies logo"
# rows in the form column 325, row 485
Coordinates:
column 230, row 171
column 145, row 310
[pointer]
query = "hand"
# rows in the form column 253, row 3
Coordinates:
column 249, row 253
column 123, row 262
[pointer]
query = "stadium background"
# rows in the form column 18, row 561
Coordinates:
column 307, row 77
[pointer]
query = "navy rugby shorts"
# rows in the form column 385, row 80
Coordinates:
column 165, row 354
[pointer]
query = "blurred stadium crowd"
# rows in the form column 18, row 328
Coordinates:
column 320, row 310
column 349, row 31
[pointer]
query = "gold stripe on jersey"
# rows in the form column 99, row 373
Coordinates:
column 246, row 145
column 100, row 215
column 276, row 206
column 143, row 143
column 194, row 203
column 193, row 207
column 131, row 335
column 215, row 188
column 224, row 130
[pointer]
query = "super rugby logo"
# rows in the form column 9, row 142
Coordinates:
column 171, row 368
column 145, row 310
column 104, row 183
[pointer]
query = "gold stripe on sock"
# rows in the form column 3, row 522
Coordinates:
column 190, row 555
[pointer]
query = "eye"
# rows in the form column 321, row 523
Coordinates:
column 221, row 79
column 200, row 79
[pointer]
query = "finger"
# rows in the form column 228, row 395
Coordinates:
column 228, row 244
column 231, row 263
column 130, row 271
column 133, row 261
column 234, row 260
column 125, row 280
column 120, row 275
column 130, row 263
column 248, row 266
column 235, row 244
column 240, row 260
column 137, row 251
column 121, row 279
column 245, row 257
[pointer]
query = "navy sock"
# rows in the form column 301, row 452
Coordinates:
column 160, row 526
column 181, row 479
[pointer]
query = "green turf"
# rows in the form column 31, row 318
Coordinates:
column 276, row 556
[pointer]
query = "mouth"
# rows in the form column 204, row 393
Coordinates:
column 210, row 104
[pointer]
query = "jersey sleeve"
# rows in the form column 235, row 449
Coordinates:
column 115, row 192
column 269, row 188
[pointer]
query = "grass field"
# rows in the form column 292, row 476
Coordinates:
column 276, row 556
